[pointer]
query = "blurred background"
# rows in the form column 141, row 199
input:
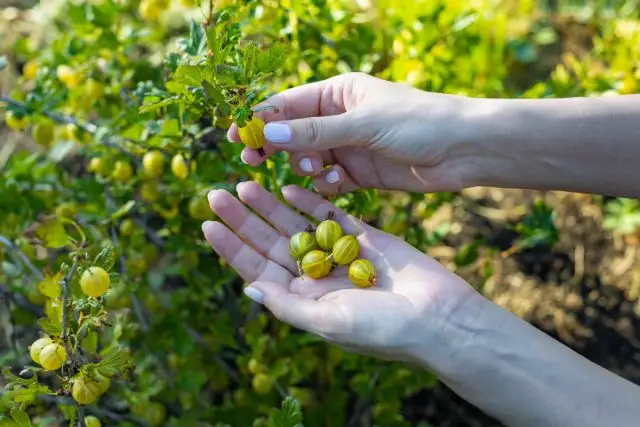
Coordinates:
column 567, row 263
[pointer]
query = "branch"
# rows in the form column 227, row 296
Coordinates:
column 61, row 118
column 65, row 301
column 20, row 301
column 23, row 258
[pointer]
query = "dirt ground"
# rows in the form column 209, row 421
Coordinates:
column 583, row 292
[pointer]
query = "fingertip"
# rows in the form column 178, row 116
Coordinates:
column 232, row 133
column 207, row 227
column 218, row 199
column 251, row 157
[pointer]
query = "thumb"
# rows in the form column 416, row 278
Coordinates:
column 298, row 311
column 313, row 133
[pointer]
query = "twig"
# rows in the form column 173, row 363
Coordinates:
column 155, row 239
column 20, row 301
column 65, row 301
column 359, row 406
column 23, row 258
column 81, row 416
column 61, row 118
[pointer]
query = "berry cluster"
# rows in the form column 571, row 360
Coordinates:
column 318, row 253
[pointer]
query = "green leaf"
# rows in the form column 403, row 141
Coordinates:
column 115, row 361
column 106, row 258
column 70, row 413
column 191, row 75
column 51, row 231
column 51, row 326
column 20, row 417
column 195, row 44
column 213, row 93
column 270, row 60
column 289, row 415
column 250, row 55
column 156, row 105
column 467, row 255
column 50, row 285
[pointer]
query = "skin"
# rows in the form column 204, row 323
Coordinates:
column 420, row 312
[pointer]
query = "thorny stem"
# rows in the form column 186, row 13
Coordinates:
column 61, row 118
column 81, row 416
column 9, row 244
column 65, row 301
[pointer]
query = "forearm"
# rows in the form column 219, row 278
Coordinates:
column 587, row 145
column 524, row 378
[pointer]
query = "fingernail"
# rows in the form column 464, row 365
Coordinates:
column 242, row 158
column 332, row 177
column 254, row 294
column 305, row 165
column 277, row 133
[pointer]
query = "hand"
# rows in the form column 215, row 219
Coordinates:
column 368, row 133
column 406, row 312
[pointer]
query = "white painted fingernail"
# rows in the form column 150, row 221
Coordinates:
column 305, row 165
column 242, row 158
column 254, row 294
column 332, row 177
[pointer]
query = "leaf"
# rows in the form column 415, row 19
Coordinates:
column 250, row 54
column 50, row 285
column 51, row 231
column 195, row 44
column 289, row 415
column 270, row 60
column 467, row 255
column 20, row 418
column 106, row 258
column 70, row 413
column 14, row 380
column 51, row 326
column 115, row 361
column 213, row 93
column 156, row 105
column 191, row 75
column 124, row 209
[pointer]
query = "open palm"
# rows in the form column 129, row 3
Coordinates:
column 411, row 288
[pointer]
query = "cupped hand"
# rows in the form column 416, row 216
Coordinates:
column 357, row 131
column 409, row 307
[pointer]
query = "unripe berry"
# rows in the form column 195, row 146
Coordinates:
column 153, row 164
column 52, row 357
column 362, row 273
column 262, row 383
column 345, row 250
column 85, row 390
column 328, row 233
column 91, row 421
column 179, row 166
column 301, row 244
column 95, row 281
column 37, row 346
column 316, row 264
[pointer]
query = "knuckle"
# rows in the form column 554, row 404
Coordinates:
column 314, row 131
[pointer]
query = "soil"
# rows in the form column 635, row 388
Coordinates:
column 583, row 291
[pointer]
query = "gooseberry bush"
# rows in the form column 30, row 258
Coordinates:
column 115, row 309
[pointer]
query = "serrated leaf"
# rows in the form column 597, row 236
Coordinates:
column 115, row 361
column 106, row 258
column 50, row 285
column 289, row 415
column 51, row 325
column 53, row 234
column 267, row 61
column 191, row 75
column 250, row 55
column 20, row 418
column 213, row 93
column 156, row 105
